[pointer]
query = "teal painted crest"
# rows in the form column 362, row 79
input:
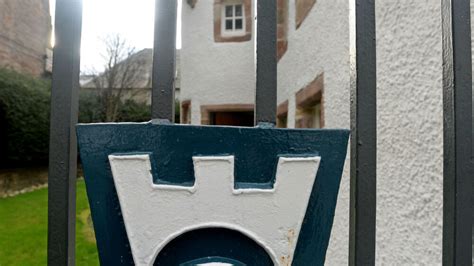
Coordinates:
column 171, row 148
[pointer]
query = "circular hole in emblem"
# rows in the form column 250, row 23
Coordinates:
column 213, row 261
column 213, row 247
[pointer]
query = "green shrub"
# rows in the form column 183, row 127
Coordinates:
column 90, row 108
column 92, row 111
column 177, row 111
column 131, row 111
column 24, row 119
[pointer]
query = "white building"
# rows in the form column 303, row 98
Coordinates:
column 220, row 76
column 218, row 84
column 135, row 81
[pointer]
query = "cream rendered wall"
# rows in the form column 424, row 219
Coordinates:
column 213, row 73
column 409, row 91
column 409, row 88
column 410, row 139
column 321, row 44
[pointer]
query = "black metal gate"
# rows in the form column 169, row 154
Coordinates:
column 458, row 145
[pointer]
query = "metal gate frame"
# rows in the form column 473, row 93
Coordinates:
column 457, row 129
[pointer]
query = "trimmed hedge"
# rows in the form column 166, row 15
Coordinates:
column 131, row 111
column 24, row 117
column 92, row 111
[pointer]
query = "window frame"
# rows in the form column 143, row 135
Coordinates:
column 309, row 102
column 233, row 32
column 222, row 36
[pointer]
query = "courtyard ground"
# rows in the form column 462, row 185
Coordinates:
column 23, row 229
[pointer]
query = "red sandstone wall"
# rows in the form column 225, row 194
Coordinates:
column 25, row 30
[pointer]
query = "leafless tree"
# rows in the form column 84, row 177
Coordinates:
column 121, row 73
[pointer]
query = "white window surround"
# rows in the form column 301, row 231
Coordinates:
column 233, row 19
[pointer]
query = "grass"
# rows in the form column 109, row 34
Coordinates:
column 23, row 229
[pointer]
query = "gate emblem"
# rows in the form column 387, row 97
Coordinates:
column 191, row 195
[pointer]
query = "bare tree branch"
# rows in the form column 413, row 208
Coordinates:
column 121, row 73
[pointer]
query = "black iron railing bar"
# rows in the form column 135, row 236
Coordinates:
column 363, row 133
column 63, row 148
column 457, row 132
column 164, row 61
column 266, row 59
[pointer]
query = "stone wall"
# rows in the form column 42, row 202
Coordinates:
column 25, row 33
column 17, row 181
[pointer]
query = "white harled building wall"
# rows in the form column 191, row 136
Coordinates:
column 409, row 119
column 409, row 106
column 213, row 72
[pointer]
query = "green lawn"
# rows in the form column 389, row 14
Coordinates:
column 23, row 229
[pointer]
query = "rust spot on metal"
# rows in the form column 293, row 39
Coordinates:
column 290, row 236
column 285, row 260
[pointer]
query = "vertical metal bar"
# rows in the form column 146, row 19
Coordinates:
column 164, row 54
column 62, row 149
column 457, row 103
column 266, row 54
column 363, row 134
